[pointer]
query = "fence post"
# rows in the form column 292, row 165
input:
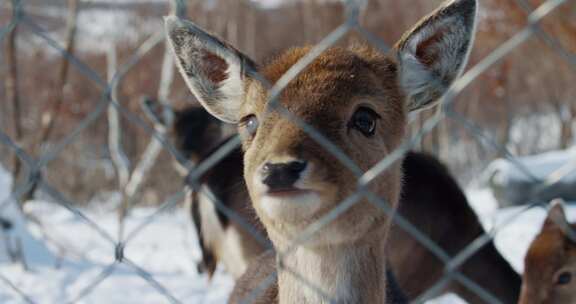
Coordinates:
column 48, row 119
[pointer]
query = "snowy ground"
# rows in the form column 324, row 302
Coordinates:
column 164, row 249
column 167, row 249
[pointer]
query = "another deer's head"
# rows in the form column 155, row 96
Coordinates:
column 356, row 97
column 550, row 264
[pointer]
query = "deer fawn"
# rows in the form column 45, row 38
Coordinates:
column 431, row 200
column 550, row 264
column 359, row 99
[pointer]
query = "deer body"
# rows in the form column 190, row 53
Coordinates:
column 226, row 239
column 359, row 100
column 264, row 266
column 433, row 202
column 550, row 264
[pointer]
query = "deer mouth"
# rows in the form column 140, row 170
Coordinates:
column 288, row 192
column 290, row 205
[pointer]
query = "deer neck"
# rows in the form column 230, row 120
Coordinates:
column 351, row 273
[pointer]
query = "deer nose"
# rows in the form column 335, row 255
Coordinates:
column 282, row 176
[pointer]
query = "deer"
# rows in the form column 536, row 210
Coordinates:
column 222, row 239
column 356, row 97
column 196, row 134
column 431, row 199
column 550, row 263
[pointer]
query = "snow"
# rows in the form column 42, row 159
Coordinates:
column 269, row 4
column 273, row 4
column 18, row 235
column 516, row 183
column 100, row 26
column 112, row 2
column 101, row 29
column 515, row 227
column 540, row 166
column 164, row 249
column 534, row 133
column 167, row 249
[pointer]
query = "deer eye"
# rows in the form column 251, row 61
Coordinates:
column 564, row 278
column 364, row 120
column 250, row 123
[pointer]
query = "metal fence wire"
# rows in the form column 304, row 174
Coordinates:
column 110, row 104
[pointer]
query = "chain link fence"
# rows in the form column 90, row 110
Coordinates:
column 131, row 177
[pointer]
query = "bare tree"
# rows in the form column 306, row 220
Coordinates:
column 562, row 101
column 150, row 154
column 50, row 117
column 49, row 121
column 251, row 29
column 501, row 92
column 13, row 97
column 566, row 115
column 119, row 159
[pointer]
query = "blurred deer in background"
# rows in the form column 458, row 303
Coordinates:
column 196, row 134
column 434, row 202
column 550, row 264
column 358, row 98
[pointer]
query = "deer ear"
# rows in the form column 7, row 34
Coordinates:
column 434, row 53
column 214, row 71
column 556, row 218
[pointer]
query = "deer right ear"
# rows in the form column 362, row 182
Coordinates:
column 434, row 53
column 214, row 71
column 556, row 218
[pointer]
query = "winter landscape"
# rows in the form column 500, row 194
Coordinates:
column 66, row 254
column 167, row 248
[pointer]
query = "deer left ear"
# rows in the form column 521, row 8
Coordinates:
column 433, row 54
column 556, row 218
column 214, row 71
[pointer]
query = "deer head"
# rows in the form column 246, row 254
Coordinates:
column 195, row 133
column 550, row 264
column 358, row 98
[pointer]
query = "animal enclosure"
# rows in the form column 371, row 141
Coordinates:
column 90, row 188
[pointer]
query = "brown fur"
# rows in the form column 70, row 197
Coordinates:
column 345, row 76
column 259, row 285
column 347, row 71
column 551, row 253
column 337, row 75
column 433, row 202
column 430, row 199
column 342, row 261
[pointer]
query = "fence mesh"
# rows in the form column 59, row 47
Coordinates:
column 35, row 165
